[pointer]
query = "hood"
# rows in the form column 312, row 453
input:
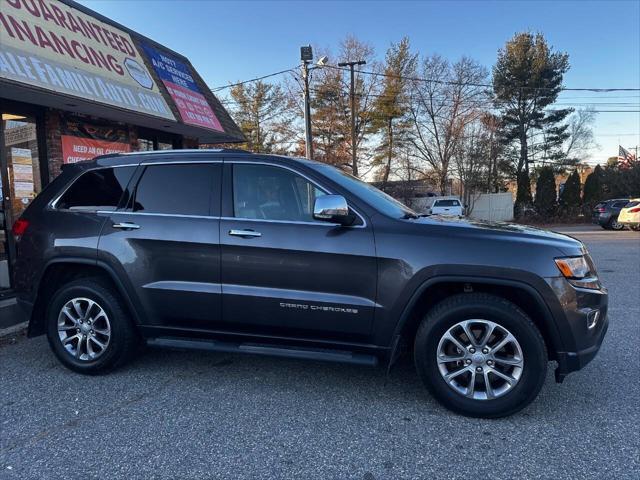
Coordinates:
column 503, row 230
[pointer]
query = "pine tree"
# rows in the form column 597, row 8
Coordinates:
column 570, row 196
column 263, row 112
column 593, row 188
column 545, row 201
column 527, row 79
column 390, row 109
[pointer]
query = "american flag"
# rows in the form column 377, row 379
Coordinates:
column 625, row 157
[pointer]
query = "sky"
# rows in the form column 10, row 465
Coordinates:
column 234, row 41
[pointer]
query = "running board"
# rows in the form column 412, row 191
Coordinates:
column 327, row 355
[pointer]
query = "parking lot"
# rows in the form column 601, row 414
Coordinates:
column 208, row 415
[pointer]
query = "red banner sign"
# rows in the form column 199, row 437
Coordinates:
column 78, row 149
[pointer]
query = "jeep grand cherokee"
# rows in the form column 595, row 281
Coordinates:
column 229, row 251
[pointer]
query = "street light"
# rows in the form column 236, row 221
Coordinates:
column 306, row 56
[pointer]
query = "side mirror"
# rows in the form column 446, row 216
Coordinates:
column 332, row 208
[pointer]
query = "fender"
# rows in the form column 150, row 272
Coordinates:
column 122, row 290
column 548, row 304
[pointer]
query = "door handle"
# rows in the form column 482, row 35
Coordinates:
column 126, row 226
column 244, row 233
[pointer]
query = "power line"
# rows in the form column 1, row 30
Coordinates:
column 489, row 103
column 470, row 84
column 428, row 80
column 217, row 89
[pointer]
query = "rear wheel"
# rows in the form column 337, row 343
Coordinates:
column 480, row 355
column 88, row 327
column 615, row 225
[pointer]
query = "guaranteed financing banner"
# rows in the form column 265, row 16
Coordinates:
column 48, row 44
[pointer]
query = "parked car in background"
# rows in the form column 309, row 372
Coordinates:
column 444, row 206
column 606, row 213
column 630, row 215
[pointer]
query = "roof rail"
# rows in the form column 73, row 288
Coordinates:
column 186, row 150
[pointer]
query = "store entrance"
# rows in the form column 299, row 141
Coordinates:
column 21, row 178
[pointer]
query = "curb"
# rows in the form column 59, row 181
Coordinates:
column 16, row 330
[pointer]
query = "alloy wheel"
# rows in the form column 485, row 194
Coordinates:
column 616, row 225
column 480, row 359
column 84, row 329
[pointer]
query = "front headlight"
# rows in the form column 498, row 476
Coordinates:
column 579, row 271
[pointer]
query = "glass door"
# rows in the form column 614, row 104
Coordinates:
column 21, row 179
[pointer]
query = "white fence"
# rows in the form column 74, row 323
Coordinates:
column 495, row 207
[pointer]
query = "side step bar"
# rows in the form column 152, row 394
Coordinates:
column 327, row 355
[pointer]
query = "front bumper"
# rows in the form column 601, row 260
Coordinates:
column 573, row 361
column 579, row 306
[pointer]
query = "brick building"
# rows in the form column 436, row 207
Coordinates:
column 74, row 85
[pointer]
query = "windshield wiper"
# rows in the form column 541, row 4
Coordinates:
column 409, row 215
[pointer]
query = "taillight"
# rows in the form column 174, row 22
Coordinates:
column 601, row 210
column 19, row 228
column 635, row 210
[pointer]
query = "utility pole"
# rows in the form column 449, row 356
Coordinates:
column 352, row 95
column 306, row 56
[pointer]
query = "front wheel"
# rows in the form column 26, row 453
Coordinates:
column 480, row 355
column 88, row 327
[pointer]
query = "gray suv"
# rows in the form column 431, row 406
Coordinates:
column 229, row 251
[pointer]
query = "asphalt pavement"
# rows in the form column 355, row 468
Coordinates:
column 197, row 415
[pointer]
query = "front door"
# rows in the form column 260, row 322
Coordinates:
column 286, row 274
column 166, row 243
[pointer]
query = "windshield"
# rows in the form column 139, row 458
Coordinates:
column 376, row 198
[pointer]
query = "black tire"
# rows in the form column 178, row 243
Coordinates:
column 614, row 225
column 502, row 312
column 123, row 340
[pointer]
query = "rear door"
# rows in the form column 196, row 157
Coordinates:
column 165, row 243
column 284, row 273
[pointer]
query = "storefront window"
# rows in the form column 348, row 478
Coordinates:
column 20, row 178
column 153, row 140
column 145, row 144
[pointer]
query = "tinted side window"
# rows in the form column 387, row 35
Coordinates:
column 272, row 193
column 97, row 189
column 184, row 189
column 620, row 204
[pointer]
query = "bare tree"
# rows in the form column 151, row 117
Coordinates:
column 443, row 105
column 580, row 132
column 472, row 160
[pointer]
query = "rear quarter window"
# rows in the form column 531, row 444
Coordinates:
column 100, row 189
